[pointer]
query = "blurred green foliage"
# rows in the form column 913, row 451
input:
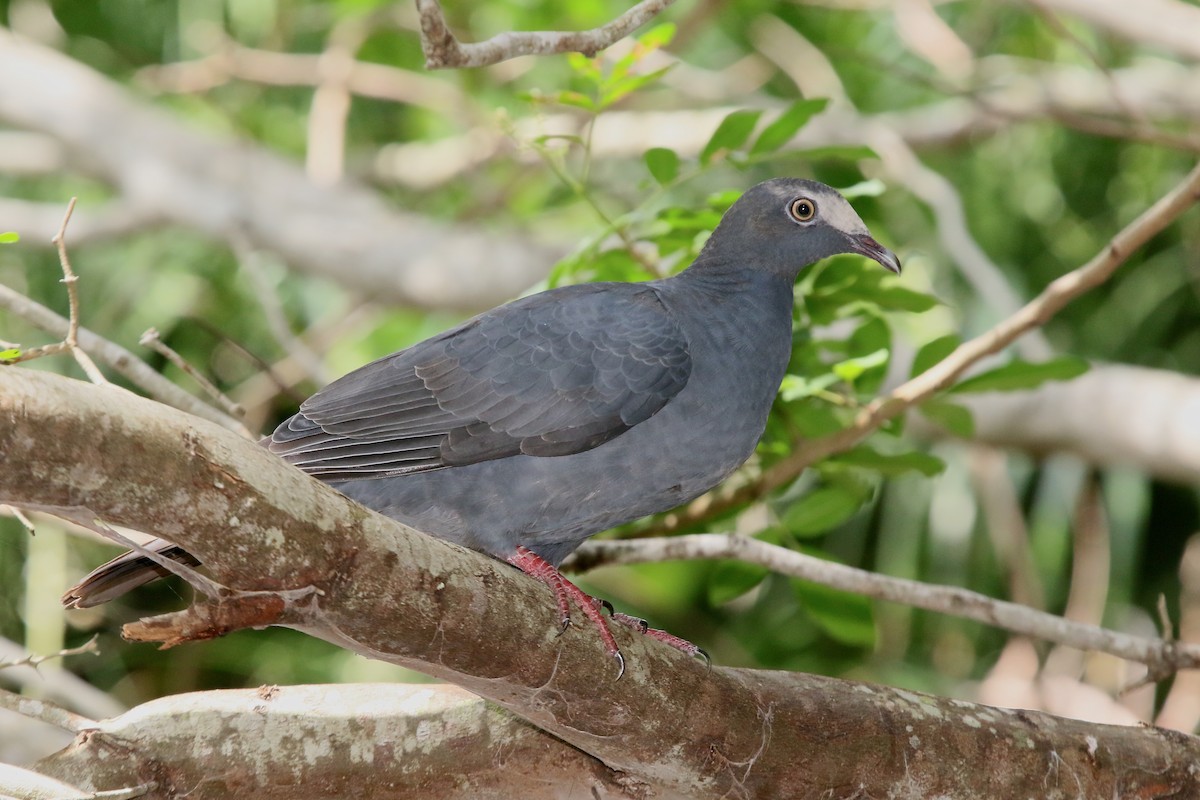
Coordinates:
column 1040, row 198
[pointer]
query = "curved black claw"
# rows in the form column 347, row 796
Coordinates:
column 700, row 651
column 621, row 662
column 566, row 623
column 607, row 606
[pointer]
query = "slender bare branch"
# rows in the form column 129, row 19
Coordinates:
column 443, row 50
column 113, row 355
column 152, row 340
column 1161, row 656
column 70, row 342
column 33, row 660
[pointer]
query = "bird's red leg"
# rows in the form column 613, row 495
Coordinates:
column 537, row 567
column 640, row 625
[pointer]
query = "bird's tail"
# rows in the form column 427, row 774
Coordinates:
column 123, row 574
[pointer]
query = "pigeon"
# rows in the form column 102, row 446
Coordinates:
column 531, row 427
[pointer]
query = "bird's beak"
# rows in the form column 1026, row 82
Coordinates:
column 864, row 244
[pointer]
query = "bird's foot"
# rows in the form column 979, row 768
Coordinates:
column 537, row 567
column 641, row 626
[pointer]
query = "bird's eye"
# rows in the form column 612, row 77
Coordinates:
column 802, row 209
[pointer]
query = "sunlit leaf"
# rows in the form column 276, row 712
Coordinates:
column 619, row 89
column 850, row 369
column 575, row 99
column 870, row 188
column 1020, row 374
column 9, row 237
column 786, row 125
column 731, row 134
column 9, row 354
column 933, row 352
column 658, row 36
column 795, row 387
column 584, row 67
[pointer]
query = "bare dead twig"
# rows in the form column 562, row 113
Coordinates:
column 113, row 355
column 252, row 263
column 89, row 646
column 152, row 340
column 443, row 50
column 1034, row 314
column 70, row 342
column 1162, row 657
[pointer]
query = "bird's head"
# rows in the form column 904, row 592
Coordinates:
column 785, row 224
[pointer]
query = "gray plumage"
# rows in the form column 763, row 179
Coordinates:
column 547, row 420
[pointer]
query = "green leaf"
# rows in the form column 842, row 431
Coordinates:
column 731, row 134
column 823, row 508
column 951, row 416
column 732, row 579
column 662, row 163
column 816, row 418
column 575, row 99
column 785, row 126
column 9, row 237
column 658, row 36
column 10, row 354
column 891, row 463
column 846, row 617
column 898, row 298
column 795, row 387
column 618, row 89
column 933, row 352
column 1020, row 374
column 584, row 67
column 850, row 369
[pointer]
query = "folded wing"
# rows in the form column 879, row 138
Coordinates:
column 548, row 375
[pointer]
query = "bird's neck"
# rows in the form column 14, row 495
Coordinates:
column 740, row 302
column 733, row 278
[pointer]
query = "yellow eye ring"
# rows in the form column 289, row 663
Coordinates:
column 802, row 209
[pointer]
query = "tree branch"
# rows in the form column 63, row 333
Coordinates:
column 1162, row 657
column 113, row 355
column 442, row 50
column 397, row 595
column 368, row 740
column 173, row 172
